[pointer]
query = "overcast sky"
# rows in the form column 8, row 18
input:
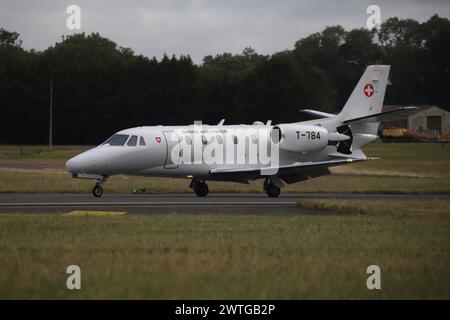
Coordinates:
column 200, row 27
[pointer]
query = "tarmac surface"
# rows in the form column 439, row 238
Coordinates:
column 214, row 203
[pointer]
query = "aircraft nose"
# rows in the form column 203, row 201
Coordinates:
column 72, row 165
column 79, row 163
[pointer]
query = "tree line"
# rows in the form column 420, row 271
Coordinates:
column 100, row 87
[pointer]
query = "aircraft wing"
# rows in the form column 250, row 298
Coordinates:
column 291, row 173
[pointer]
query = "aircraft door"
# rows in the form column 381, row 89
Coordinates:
column 172, row 149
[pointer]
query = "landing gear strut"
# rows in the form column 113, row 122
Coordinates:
column 200, row 188
column 271, row 188
column 97, row 191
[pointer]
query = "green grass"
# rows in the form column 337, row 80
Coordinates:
column 380, row 207
column 404, row 168
column 414, row 159
column 39, row 152
column 231, row 257
column 59, row 181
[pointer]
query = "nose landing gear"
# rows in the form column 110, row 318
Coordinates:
column 97, row 191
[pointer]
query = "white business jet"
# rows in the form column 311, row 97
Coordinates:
column 278, row 154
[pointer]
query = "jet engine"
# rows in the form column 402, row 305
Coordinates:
column 305, row 138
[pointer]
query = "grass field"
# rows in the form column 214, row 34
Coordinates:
column 233, row 257
column 58, row 181
column 404, row 168
column 31, row 152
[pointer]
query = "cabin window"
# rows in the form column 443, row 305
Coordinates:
column 219, row 139
column 132, row 142
column 141, row 141
column 235, row 140
column 117, row 140
column 204, row 140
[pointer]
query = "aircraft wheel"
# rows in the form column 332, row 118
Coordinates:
column 272, row 190
column 266, row 182
column 97, row 191
column 200, row 188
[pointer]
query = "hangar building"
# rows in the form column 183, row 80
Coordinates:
column 427, row 120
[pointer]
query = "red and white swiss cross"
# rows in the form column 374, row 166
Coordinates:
column 368, row 90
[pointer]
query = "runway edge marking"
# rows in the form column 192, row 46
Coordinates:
column 79, row 213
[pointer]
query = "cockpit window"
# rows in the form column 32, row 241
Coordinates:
column 117, row 140
column 132, row 142
column 141, row 141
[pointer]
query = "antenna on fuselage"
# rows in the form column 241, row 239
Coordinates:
column 221, row 122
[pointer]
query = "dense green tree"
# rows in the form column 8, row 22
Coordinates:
column 9, row 39
column 100, row 87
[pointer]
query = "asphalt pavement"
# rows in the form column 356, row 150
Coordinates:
column 214, row 203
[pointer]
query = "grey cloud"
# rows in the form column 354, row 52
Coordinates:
column 200, row 27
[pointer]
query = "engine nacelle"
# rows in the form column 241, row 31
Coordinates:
column 300, row 137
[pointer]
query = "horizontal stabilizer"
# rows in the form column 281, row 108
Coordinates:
column 377, row 117
column 317, row 114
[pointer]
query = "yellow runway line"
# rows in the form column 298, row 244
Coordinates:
column 94, row 213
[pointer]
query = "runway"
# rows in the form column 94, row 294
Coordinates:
column 222, row 203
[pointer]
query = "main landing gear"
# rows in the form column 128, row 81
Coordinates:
column 97, row 191
column 271, row 188
column 200, row 188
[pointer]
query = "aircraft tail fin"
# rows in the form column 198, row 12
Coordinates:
column 367, row 97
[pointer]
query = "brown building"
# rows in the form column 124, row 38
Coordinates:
column 427, row 120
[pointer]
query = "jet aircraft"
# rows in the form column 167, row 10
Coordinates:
column 278, row 154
